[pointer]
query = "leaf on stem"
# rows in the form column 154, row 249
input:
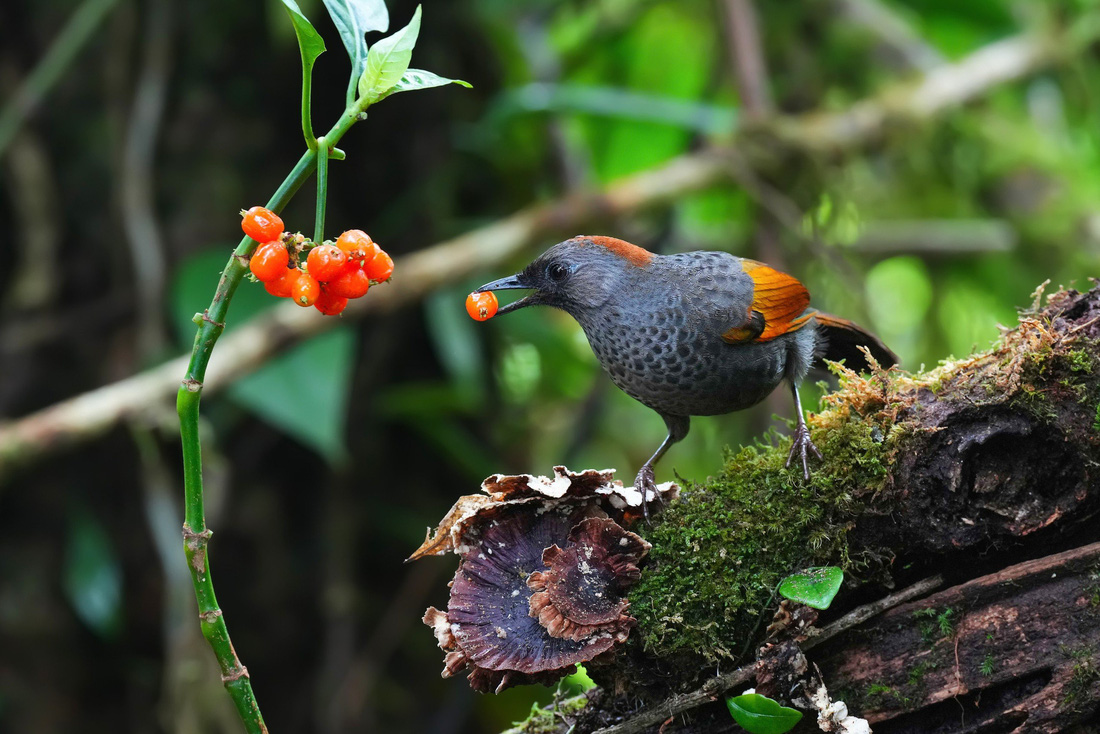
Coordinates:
column 414, row 79
column 758, row 714
column 388, row 60
column 815, row 587
column 354, row 19
column 309, row 40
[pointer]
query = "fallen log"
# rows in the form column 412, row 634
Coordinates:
column 984, row 472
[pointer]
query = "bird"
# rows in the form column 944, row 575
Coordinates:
column 692, row 333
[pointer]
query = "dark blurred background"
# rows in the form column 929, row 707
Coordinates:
column 119, row 200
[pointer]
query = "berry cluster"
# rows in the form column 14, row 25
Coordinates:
column 331, row 272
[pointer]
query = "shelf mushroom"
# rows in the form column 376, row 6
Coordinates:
column 542, row 580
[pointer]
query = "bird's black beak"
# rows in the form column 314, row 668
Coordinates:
column 512, row 282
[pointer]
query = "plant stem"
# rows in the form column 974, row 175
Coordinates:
column 307, row 93
column 322, row 190
column 196, row 536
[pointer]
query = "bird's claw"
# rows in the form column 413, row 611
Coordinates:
column 646, row 484
column 800, row 445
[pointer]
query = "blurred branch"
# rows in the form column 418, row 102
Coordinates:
column 247, row 347
column 69, row 42
column 943, row 88
column 33, row 188
column 138, row 190
column 749, row 67
column 893, row 32
column 929, row 237
column 543, row 59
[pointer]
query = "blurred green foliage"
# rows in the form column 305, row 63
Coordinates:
column 92, row 574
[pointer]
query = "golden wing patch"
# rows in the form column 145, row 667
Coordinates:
column 778, row 298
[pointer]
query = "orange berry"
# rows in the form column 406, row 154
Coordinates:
column 280, row 288
column 481, row 306
column 357, row 244
column 269, row 261
column 305, row 289
column 262, row 225
column 325, row 262
column 380, row 268
column 352, row 282
column 329, row 304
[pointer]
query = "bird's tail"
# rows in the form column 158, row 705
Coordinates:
column 840, row 339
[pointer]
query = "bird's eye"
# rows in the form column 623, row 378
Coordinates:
column 557, row 272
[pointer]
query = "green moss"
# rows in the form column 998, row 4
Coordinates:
column 1079, row 360
column 880, row 696
column 987, row 666
column 549, row 720
column 1092, row 587
column 935, row 625
column 1085, row 673
column 1050, row 373
column 720, row 552
column 916, row 673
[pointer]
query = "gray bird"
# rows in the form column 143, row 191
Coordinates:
column 697, row 333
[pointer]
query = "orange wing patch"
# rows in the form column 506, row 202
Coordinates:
column 631, row 253
column 776, row 296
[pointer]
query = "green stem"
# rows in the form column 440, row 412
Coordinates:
column 307, row 105
column 69, row 42
column 322, row 190
column 353, row 83
column 196, row 535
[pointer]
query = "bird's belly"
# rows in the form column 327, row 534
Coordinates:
column 681, row 374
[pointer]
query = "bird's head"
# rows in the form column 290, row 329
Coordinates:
column 575, row 275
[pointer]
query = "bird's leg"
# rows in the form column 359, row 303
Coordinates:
column 645, row 482
column 800, row 441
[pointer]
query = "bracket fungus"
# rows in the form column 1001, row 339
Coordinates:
column 542, row 577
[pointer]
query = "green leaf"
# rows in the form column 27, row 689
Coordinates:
column 302, row 391
column 814, row 587
column 388, row 61
column 354, row 19
column 758, row 714
column 309, row 40
column 92, row 576
column 414, row 79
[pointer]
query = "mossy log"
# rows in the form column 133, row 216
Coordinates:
column 985, row 471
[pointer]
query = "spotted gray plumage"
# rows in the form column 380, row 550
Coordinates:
column 656, row 325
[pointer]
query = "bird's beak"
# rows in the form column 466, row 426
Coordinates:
column 512, row 282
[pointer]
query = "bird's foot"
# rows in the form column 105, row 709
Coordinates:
column 800, row 446
column 646, row 484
